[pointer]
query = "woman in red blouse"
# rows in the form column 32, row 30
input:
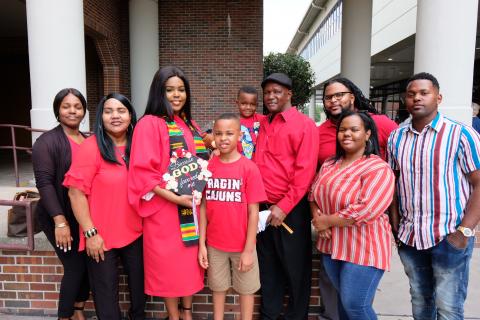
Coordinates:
column 98, row 192
column 349, row 198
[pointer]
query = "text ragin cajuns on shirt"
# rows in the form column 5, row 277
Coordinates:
column 225, row 190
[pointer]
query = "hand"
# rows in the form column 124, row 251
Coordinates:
column 394, row 222
column 185, row 200
column 325, row 234
column 63, row 238
column 246, row 261
column 215, row 152
column 208, row 140
column 320, row 222
column 203, row 256
column 276, row 216
column 458, row 240
column 95, row 247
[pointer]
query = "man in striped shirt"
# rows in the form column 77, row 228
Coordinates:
column 437, row 162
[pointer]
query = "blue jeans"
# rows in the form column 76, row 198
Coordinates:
column 438, row 279
column 356, row 286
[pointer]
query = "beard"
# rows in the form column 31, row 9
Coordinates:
column 337, row 116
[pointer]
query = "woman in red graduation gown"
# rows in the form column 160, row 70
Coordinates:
column 171, row 267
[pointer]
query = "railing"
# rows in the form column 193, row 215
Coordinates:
column 30, row 245
column 14, row 146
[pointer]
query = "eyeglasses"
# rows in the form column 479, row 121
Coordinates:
column 337, row 96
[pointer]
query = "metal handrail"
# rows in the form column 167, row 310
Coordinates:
column 14, row 146
column 30, row 245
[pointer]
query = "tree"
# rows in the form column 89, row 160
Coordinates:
column 298, row 69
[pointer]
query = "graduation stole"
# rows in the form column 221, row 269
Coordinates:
column 188, row 229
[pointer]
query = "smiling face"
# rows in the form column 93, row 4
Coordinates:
column 337, row 98
column 352, row 135
column 176, row 94
column 71, row 112
column 422, row 100
column 247, row 104
column 116, row 118
column 227, row 134
column 276, row 97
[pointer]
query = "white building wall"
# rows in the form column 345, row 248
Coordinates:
column 393, row 21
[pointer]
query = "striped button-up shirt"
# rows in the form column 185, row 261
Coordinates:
column 361, row 191
column 432, row 186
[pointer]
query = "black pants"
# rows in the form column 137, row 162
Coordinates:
column 104, row 282
column 285, row 262
column 74, row 286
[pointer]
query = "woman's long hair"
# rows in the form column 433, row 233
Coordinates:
column 372, row 146
column 104, row 142
column 158, row 104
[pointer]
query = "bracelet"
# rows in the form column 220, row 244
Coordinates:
column 90, row 232
column 61, row 225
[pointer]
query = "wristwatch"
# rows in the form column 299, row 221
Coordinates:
column 467, row 232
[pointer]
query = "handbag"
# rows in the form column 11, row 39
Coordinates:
column 17, row 215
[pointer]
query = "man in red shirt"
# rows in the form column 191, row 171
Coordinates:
column 287, row 146
column 339, row 95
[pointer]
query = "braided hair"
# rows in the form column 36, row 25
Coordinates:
column 361, row 102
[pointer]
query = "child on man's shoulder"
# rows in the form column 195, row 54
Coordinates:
column 247, row 100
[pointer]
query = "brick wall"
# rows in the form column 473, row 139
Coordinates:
column 106, row 25
column 219, row 45
column 30, row 282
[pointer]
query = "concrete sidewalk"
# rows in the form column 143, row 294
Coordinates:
column 392, row 300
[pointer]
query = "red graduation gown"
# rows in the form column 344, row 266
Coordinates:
column 171, row 269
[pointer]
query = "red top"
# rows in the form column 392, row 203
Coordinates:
column 327, row 136
column 171, row 268
column 361, row 191
column 286, row 156
column 74, row 146
column 105, row 185
column 232, row 187
column 250, row 128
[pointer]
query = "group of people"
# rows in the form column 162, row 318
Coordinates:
column 358, row 180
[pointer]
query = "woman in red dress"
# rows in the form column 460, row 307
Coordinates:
column 110, row 227
column 171, row 267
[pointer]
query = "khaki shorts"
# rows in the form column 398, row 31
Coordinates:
column 222, row 266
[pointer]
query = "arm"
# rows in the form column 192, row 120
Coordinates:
column 304, row 168
column 45, row 170
column 470, row 165
column 95, row 246
column 375, row 196
column 393, row 211
column 472, row 212
column 246, row 258
column 202, row 247
column 316, row 215
column 183, row 200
